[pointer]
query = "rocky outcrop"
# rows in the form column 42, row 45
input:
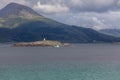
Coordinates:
column 40, row 43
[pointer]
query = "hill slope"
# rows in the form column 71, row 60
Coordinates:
column 20, row 23
column 112, row 32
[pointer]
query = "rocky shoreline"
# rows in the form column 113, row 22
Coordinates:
column 44, row 43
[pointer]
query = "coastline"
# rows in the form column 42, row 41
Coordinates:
column 44, row 43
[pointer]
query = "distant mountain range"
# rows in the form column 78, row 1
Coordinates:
column 112, row 32
column 19, row 23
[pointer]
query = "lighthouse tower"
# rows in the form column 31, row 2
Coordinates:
column 44, row 39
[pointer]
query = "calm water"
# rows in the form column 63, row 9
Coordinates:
column 77, row 62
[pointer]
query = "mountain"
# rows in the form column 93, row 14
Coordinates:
column 15, row 14
column 19, row 23
column 13, row 10
column 112, row 32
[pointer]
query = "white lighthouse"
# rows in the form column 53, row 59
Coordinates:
column 44, row 39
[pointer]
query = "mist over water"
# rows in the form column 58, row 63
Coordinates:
column 77, row 62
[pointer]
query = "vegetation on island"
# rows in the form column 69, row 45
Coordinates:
column 43, row 43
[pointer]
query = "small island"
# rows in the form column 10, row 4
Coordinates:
column 44, row 43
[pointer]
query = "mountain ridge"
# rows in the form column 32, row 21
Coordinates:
column 14, row 9
column 112, row 32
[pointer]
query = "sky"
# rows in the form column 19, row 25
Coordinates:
column 96, row 14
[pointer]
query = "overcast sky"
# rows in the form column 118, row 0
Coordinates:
column 96, row 14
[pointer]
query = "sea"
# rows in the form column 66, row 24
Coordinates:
column 75, row 62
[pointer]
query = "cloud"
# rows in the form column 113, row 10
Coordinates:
column 51, row 6
column 48, row 8
column 97, row 24
column 96, row 14
column 90, row 19
column 93, row 5
column 77, row 5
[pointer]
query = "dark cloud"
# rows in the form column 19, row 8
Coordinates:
column 82, row 5
column 94, row 5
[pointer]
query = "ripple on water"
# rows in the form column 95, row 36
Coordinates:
column 61, row 72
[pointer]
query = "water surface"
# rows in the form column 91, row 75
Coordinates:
column 77, row 62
